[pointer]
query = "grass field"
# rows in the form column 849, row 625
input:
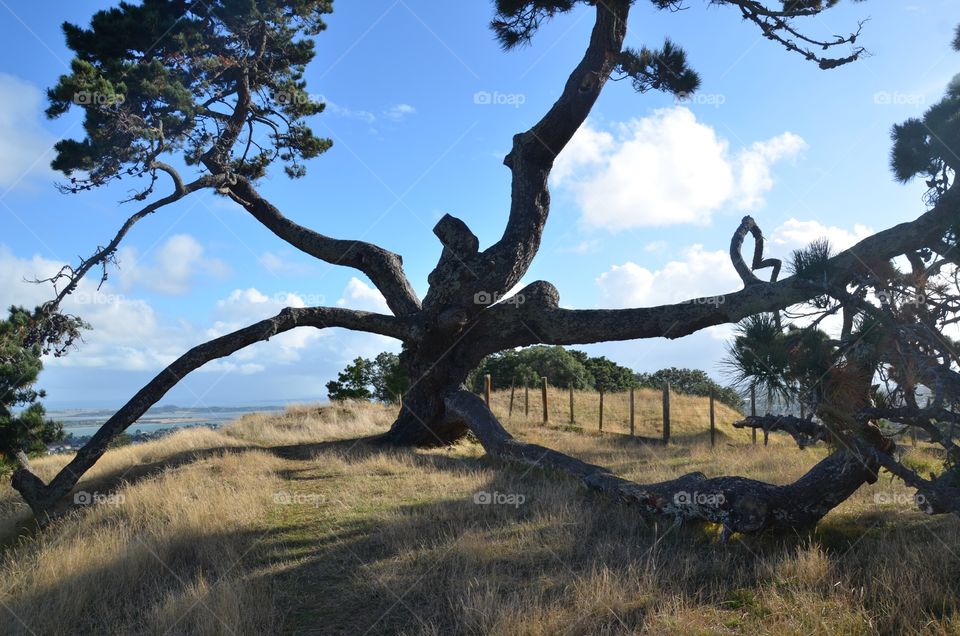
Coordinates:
column 288, row 524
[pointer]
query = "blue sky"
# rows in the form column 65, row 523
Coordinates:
column 422, row 108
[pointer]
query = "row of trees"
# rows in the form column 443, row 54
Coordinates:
column 384, row 379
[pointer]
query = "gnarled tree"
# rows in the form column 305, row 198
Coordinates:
column 198, row 82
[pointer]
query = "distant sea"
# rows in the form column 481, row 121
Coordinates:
column 85, row 422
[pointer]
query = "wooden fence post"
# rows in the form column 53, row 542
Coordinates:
column 713, row 423
column 601, row 410
column 486, row 389
column 510, row 412
column 631, row 411
column 753, row 410
column 666, row 412
column 526, row 401
column 573, row 419
column 543, row 392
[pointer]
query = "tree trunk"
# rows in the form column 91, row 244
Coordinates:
column 737, row 503
column 423, row 421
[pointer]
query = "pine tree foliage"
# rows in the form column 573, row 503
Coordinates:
column 163, row 78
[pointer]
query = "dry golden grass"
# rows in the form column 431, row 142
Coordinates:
column 290, row 525
column 689, row 415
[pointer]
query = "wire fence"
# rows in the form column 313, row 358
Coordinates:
column 651, row 414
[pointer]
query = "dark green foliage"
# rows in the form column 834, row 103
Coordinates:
column 27, row 431
column 525, row 367
column 607, row 374
column 389, row 379
column 926, row 147
column 662, row 70
column 353, row 382
column 164, row 77
column 758, row 356
column 518, row 20
column 810, row 262
column 382, row 379
column 786, row 364
column 691, row 382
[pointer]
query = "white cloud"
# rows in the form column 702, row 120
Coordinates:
column 126, row 332
column 705, row 276
column 587, row 149
column 359, row 295
column 281, row 264
column 794, row 234
column 398, row 112
column 665, row 169
column 246, row 306
column 175, row 265
column 583, row 247
column 699, row 274
column 25, row 148
column 348, row 113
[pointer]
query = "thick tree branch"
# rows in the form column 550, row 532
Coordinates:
column 804, row 431
column 534, row 151
column 737, row 503
column 540, row 320
column 384, row 268
column 42, row 496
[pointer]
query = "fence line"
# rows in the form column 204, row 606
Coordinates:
column 662, row 422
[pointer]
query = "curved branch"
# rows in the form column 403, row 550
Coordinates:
column 384, row 268
column 41, row 497
column 534, row 151
column 804, row 431
column 737, row 503
column 540, row 320
column 104, row 254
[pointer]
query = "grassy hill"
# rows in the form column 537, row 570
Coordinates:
column 689, row 415
column 289, row 524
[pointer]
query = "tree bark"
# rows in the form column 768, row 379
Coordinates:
column 42, row 496
column 738, row 504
